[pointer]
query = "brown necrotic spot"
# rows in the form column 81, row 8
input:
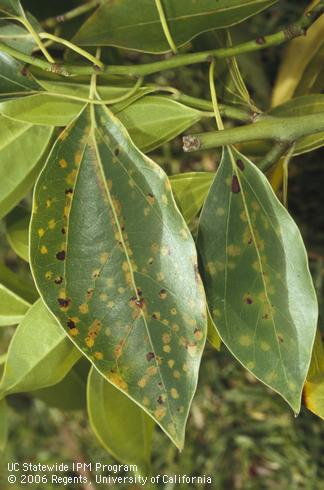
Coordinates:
column 63, row 230
column 64, row 303
column 140, row 302
column 58, row 280
column 280, row 338
column 116, row 151
column 240, row 164
column 248, row 300
column 160, row 400
column 68, row 191
column 235, row 185
column 260, row 40
column 163, row 294
column 60, row 255
column 150, row 356
column 71, row 324
column 139, row 292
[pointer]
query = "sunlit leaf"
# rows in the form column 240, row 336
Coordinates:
column 190, row 190
column 259, row 289
column 24, row 144
column 115, row 262
column 42, row 109
column 40, row 353
column 123, row 428
column 314, row 386
column 136, row 25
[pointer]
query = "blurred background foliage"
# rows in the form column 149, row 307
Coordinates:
column 239, row 432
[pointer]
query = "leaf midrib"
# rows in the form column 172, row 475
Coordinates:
column 93, row 128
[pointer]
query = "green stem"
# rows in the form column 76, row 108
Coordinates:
column 295, row 30
column 165, row 26
column 82, row 9
column 281, row 129
column 25, row 22
column 274, row 155
column 73, row 47
column 228, row 111
column 219, row 122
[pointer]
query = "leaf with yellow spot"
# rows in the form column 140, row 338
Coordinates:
column 122, row 427
column 258, row 286
column 129, row 277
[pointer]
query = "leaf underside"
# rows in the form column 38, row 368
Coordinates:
column 114, row 261
column 258, row 286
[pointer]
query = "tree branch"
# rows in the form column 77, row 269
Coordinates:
column 297, row 29
column 281, row 129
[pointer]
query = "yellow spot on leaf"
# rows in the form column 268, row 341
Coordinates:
column 245, row 340
column 167, row 348
column 170, row 363
column 84, row 308
column 63, row 163
column 220, row 211
column 117, row 380
column 233, row 250
column 174, row 393
column 41, row 232
column 43, row 250
column 52, row 224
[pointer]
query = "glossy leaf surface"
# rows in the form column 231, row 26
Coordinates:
column 136, row 25
column 314, row 386
column 122, row 428
column 25, row 144
column 40, row 354
column 301, row 106
column 17, row 225
column 115, row 262
column 258, row 286
column 154, row 120
column 190, row 190
column 42, row 109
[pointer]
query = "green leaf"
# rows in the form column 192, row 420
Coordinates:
column 190, row 190
column 12, row 78
column 17, row 227
column 3, row 425
column 11, row 7
column 16, row 37
column 40, row 354
column 116, row 264
column 42, row 109
column 136, row 25
column 26, row 144
column 314, row 386
column 258, row 286
column 16, row 296
column 70, row 393
column 154, row 120
column 212, row 333
column 123, row 428
column 302, row 106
